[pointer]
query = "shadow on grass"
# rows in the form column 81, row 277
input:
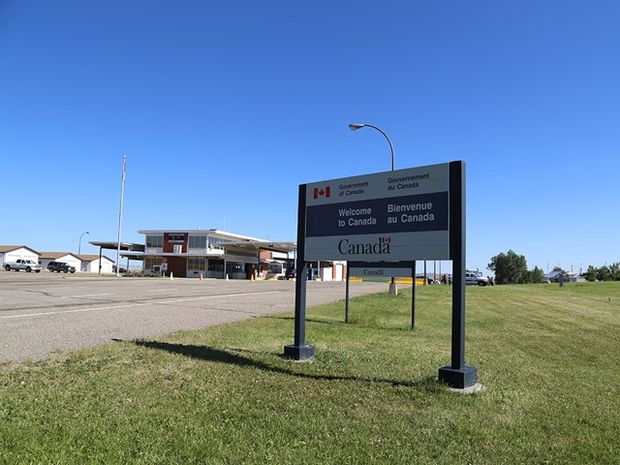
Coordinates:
column 222, row 356
column 308, row 320
column 354, row 322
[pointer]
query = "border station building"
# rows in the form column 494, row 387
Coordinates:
column 212, row 253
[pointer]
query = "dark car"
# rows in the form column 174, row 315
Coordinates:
column 61, row 267
column 290, row 273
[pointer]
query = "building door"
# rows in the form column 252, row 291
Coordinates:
column 250, row 269
column 177, row 266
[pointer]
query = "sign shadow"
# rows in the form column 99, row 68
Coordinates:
column 211, row 354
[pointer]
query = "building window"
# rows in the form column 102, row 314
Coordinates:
column 176, row 238
column 151, row 262
column 275, row 267
column 217, row 242
column 196, row 264
column 155, row 241
column 216, row 265
column 232, row 267
column 197, row 242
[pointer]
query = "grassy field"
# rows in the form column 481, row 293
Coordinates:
column 549, row 359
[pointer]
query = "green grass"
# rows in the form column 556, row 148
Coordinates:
column 548, row 357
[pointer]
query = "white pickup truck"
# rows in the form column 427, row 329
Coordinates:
column 475, row 278
column 22, row 264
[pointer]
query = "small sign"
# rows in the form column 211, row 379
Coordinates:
column 381, row 269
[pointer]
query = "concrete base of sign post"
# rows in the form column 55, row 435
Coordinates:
column 458, row 378
column 393, row 289
column 469, row 390
column 300, row 353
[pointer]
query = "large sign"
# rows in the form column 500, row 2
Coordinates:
column 391, row 216
column 381, row 269
column 410, row 214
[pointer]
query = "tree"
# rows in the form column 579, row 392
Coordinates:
column 614, row 271
column 603, row 274
column 591, row 274
column 535, row 276
column 509, row 268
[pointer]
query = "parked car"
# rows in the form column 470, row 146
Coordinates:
column 60, row 267
column 290, row 273
column 475, row 278
column 22, row 264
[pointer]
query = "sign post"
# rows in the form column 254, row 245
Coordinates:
column 346, row 297
column 458, row 375
column 299, row 350
column 393, row 216
column 413, row 296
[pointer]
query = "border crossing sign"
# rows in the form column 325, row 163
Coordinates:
column 404, row 215
column 391, row 216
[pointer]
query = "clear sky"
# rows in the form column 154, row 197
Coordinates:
column 223, row 108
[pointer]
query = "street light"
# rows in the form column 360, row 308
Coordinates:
column 80, row 242
column 354, row 127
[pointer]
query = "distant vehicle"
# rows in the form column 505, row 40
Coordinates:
column 120, row 269
column 429, row 280
column 475, row 278
column 290, row 273
column 22, row 264
column 60, row 267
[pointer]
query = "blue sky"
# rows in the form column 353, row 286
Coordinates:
column 223, row 108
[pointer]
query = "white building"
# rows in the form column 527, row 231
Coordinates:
column 332, row 271
column 90, row 263
column 65, row 257
column 10, row 253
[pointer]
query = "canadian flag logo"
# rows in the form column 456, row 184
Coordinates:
column 321, row 192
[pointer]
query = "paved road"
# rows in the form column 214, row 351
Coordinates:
column 45, row 312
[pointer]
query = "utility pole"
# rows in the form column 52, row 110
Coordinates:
column 120, row 215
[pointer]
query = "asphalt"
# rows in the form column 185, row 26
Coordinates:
column 44, row 313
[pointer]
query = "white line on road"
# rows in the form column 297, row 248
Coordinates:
column 89, row 295
column 185, row 299
column 79, row 310
column 112, row 307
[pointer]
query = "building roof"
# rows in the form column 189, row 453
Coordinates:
column 92, row 258
column 113, row 245
column 55, row 255
column 199, row 231
column 552, row 274
column 10, row 248
column 262, row 245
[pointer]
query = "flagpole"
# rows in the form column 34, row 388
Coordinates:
column 120, row 214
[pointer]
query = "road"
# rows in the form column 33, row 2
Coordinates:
column 45, row 312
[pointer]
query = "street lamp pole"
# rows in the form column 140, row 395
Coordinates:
column 80, row 242
column 393, row 290
column 355, row 127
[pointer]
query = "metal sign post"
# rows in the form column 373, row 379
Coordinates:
column 458, row 375
column 299, row 350
column 346, row 297
column 413, row 297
